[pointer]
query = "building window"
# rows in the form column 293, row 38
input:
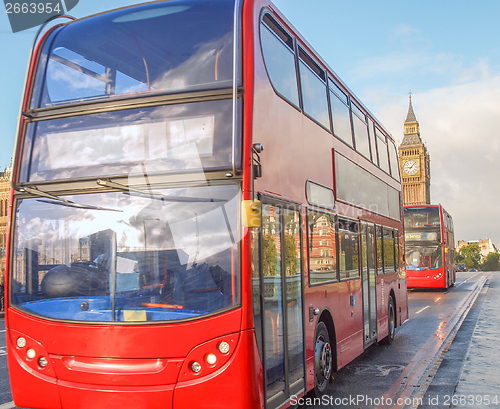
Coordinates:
column 322, row 253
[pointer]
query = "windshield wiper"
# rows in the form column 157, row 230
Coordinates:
column 59, row 200
column 40, row 193
column 79, row 205
column 153, row 194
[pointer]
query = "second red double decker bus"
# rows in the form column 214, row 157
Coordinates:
column 430, row 247
column 202, row 216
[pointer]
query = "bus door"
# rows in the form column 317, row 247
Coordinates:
column 278, row 308
column 369, row 282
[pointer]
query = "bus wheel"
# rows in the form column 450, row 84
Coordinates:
column 391, row 322
column 323, row 359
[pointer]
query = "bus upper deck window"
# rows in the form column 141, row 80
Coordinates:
column 157, row 47
column 313, row 88
column 279, row 58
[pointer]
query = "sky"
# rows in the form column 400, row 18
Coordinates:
column 446, row 52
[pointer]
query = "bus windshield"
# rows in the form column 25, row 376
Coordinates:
column 423, row 257
column 162, row 255
column 167, row 47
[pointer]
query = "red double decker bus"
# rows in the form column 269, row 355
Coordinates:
column 430, row 247
column 158, row 255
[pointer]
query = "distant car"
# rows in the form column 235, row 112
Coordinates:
column 472, row 270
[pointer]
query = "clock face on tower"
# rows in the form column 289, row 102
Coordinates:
column 410, row 167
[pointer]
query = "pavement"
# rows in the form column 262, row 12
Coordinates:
column 469, row 374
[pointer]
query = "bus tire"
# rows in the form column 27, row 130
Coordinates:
column 391, row 322
column 323, row 359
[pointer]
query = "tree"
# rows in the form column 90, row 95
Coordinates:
column 468, row 263
column 291, row 261
column 491, row 262
column 470, row 255
column 271, row 254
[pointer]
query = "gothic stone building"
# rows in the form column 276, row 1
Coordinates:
column 414, row 162
column 4, row 206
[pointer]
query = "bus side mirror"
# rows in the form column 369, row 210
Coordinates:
column 257, row 167
column 257, row 170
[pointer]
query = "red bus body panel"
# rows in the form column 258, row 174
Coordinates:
column 127, row 366
column 433, row 278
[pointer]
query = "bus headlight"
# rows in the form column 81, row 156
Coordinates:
column 30, row 353
column 195, row 367
column 21, row 342
column 42, row 361
column 223, row 347
column 211, row 359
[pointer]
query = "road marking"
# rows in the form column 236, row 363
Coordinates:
column 378, row 370
column 8, row 405
column 463, row 282
column 422, row 309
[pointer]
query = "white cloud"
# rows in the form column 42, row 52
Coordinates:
column 405, row 30
column 479, row 70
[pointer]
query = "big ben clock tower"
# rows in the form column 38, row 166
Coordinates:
column 414, row 162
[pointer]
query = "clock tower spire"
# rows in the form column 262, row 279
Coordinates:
column 414, row 162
